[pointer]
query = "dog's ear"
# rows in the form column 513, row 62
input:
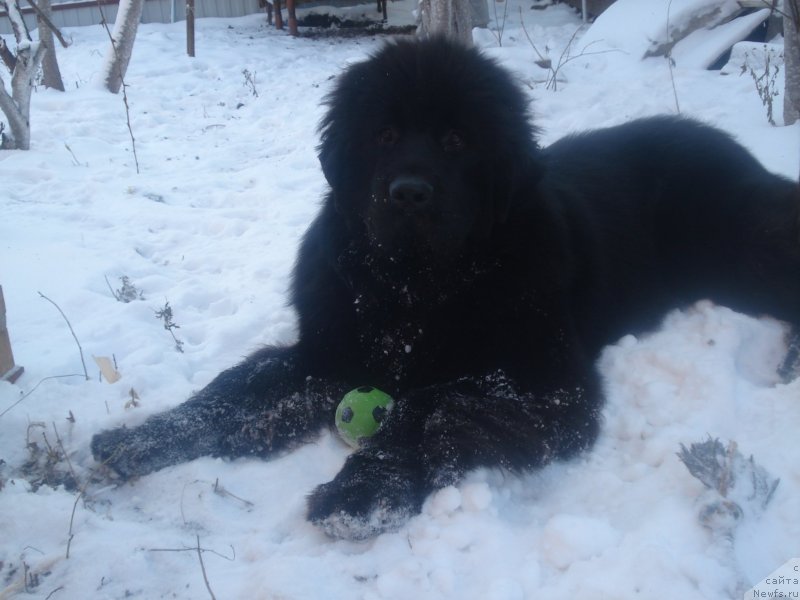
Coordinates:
column 332, row 148
column 330, row 153
column 326, row 152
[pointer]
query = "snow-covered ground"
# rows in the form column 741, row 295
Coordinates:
column 229, row 180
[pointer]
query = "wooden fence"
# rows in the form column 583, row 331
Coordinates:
column 87, row 12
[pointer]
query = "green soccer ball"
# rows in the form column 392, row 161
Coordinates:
column 361, row 412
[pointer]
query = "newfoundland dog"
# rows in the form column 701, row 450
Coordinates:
column 475, row 277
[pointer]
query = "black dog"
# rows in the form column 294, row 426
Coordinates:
column 475, row 277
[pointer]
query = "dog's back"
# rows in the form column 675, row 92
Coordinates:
column 669, row 212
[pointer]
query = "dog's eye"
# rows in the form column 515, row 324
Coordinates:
column 387, row 136
column 453, row 141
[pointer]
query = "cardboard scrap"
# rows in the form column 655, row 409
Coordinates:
column 110, row 374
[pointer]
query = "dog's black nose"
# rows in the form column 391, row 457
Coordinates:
column 410, row 192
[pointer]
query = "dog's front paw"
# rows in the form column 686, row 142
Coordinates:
column 122, row 452
column 372, row 494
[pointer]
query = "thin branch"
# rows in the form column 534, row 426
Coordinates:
column 108, row 283
column 72, row 516
column 64, row 453
column 77, row 164
column 547, row 63
column 183, row 492
column 49, row 23
column 199, row 552
column 81, row 494
column 203, row 568
column 41, row 381
column 794, row 8
column 18, row 25
column 83, row 362
column 104, row 23
column 569, row 58
column 530, row 41
column 501, row 27
column 221, row 491
column 671, row 63
column 58, row 589
column 165, row 314
column 194, row 549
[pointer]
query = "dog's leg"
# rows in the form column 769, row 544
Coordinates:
column 266, row 404
column 437, row 434
column 508, row 429
column 381, row 485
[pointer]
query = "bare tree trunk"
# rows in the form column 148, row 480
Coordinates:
column 17, row 105
column 791, row 53
column 127, row 22
column 450, row 18
column 51, row 74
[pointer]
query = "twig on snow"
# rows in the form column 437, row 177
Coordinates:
column 41, row 381
column 64, row 452
column 83, row 362
column 566, row 57
column 203, row 568
column 72, row 516
column 221, row 491
column 194, row 549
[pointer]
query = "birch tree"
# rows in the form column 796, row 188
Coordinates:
column 451, row 18
column 24, row 66
column 791, row 53
column 127, row 22
column 51, row 74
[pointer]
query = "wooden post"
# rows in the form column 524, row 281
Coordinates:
column 292, row 17
column 190, row 27
column 8, row 370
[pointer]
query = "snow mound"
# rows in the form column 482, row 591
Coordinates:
column 644, row 28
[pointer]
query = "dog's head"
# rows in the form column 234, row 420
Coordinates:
column 424, row 146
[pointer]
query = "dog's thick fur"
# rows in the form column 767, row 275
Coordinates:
column 475, row 277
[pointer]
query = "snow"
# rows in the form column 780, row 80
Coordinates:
column 229, row 181
column 653, row 23
column 702, row 47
